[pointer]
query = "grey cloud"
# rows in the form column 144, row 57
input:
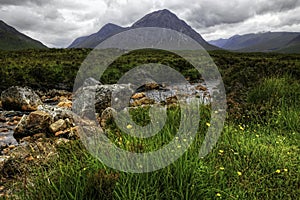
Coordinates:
column 53, row 14
column 23, row 2
column 275, row 6
column 57, row 23
column 211, row 13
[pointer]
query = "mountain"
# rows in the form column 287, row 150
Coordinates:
column 93, row 40
column 260, row 42
column 219, row 43
column 292, row 47
column 11, row 39
column 162, row 18
column 167, row 19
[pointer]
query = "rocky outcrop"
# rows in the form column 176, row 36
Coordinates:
column 35, row 122
column 91, row 102
column 47, row 119
column 18, row 98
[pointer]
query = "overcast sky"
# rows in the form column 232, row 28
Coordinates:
column 57, row 23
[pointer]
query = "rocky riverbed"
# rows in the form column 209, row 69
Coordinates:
column 33, row 123
column 25, row 112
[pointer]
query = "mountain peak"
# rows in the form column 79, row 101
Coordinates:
column 93, row 40
column 109, row 27
column 161, row 19
column 166, row 19
column 163, row 12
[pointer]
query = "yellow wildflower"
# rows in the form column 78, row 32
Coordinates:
column 242, row 128
column 207, row 124
column 278, row 171
column 239, row 173
column 222, row 168
column 218, row 194
column 221, row 151
column 129, row 126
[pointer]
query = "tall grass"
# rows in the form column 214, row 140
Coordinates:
column 275, row 91
column 250, row 161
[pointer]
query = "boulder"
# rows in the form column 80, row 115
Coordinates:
column 57, row 113
column 39, row 121
column 89, row 100
column 103, row 96
column 19, row 98
column 35, row 122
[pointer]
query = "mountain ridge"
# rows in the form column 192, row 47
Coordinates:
column 261, row 42
column 12, row 39
column 161, row 18
column 94, row 39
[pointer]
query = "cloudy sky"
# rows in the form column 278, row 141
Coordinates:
column 57, row 23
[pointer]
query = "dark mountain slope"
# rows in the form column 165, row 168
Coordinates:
column 11, row 39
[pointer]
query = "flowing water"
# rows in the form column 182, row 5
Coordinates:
column 7, row 126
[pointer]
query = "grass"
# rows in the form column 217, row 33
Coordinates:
column 256, row 157
column 244, row 165
column 250, row 161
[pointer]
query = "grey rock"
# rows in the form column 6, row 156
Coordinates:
column 95, row 99
column 35, row 122
column 19, row 98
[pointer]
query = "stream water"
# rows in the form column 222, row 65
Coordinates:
column 7, row 126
